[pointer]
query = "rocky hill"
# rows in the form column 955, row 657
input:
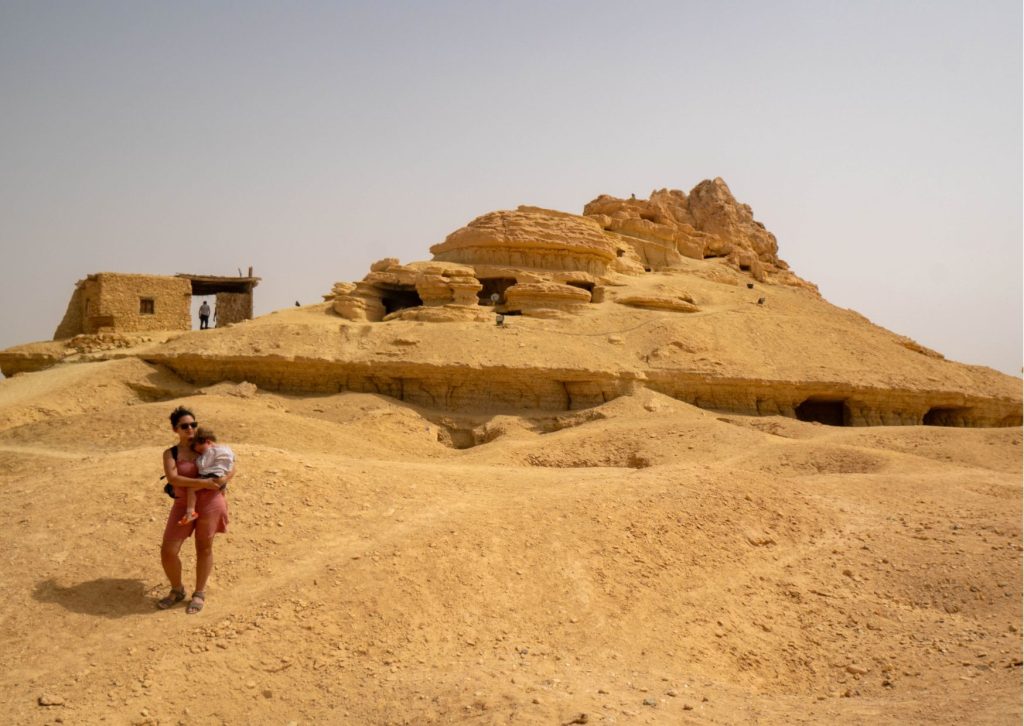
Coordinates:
column 675, row 485
column 683, row 294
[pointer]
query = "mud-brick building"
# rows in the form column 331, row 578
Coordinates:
column 115, row 302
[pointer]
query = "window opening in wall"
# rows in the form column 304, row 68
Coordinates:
column 620, row 253
column 745, row 268
column 147, row 306
column 494, row 286
column 831, row 413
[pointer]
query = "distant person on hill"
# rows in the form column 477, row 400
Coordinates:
column 214, row 462
column 204, row 316
column 211, row 507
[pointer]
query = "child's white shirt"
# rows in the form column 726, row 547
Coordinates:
column 217, row 460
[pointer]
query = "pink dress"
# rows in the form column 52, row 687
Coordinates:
column 211, row 506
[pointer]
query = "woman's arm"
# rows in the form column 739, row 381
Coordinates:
column 222, row 481
column 184, row 482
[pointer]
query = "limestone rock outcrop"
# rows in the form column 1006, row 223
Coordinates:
column 392, row 287
column 545, row 299
column 706, row 223
column 542, row 262
column 530, row 237
column 674, row 303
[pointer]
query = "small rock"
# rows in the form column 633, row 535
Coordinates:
column 856, row 670
column 650, row 702
column 267, row 693
column 672, row 692
column 49, row 699
column 758, row 538
column 687, row 707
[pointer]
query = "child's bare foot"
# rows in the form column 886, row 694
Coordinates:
column 189, row 517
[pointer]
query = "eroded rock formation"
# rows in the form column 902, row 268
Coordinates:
column 706, row 223
column 532, row 238
column 392, row 288
column 539, row 262
column 530, row 261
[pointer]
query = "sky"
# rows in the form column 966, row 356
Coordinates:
column 880, row 141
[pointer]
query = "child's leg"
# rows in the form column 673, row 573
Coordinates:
column 190, row 507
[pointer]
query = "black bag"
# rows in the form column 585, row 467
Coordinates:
column 168, row 488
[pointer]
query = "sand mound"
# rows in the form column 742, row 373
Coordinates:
column 87, row 388
column 644, row 561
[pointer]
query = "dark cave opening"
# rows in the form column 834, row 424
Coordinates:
column 494, row 286
column 830, row 413
column 399, row 298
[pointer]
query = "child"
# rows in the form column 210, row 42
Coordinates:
column 215, row 461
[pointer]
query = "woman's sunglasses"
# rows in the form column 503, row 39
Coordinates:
column 192, row 425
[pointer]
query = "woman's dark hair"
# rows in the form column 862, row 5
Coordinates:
column 179, row 413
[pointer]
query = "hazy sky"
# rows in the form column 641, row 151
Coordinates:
column 880, row 141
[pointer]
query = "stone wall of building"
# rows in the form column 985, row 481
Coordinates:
column 233, row 307
column 72, row 323
column 133, row 303
column 110, row 302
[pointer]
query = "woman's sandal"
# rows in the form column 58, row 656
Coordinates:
column 193, row 606
column 171, row 600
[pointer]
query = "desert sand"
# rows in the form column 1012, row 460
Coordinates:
column 475, row 544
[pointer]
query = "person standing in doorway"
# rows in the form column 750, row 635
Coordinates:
column 204, row 316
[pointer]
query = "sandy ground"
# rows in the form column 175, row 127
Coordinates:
column 646, row 562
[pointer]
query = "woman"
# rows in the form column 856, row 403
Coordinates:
column 211, row 506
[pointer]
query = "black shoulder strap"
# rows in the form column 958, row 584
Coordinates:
column 174, row 452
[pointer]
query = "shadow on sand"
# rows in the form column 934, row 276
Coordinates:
column 105, row 598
